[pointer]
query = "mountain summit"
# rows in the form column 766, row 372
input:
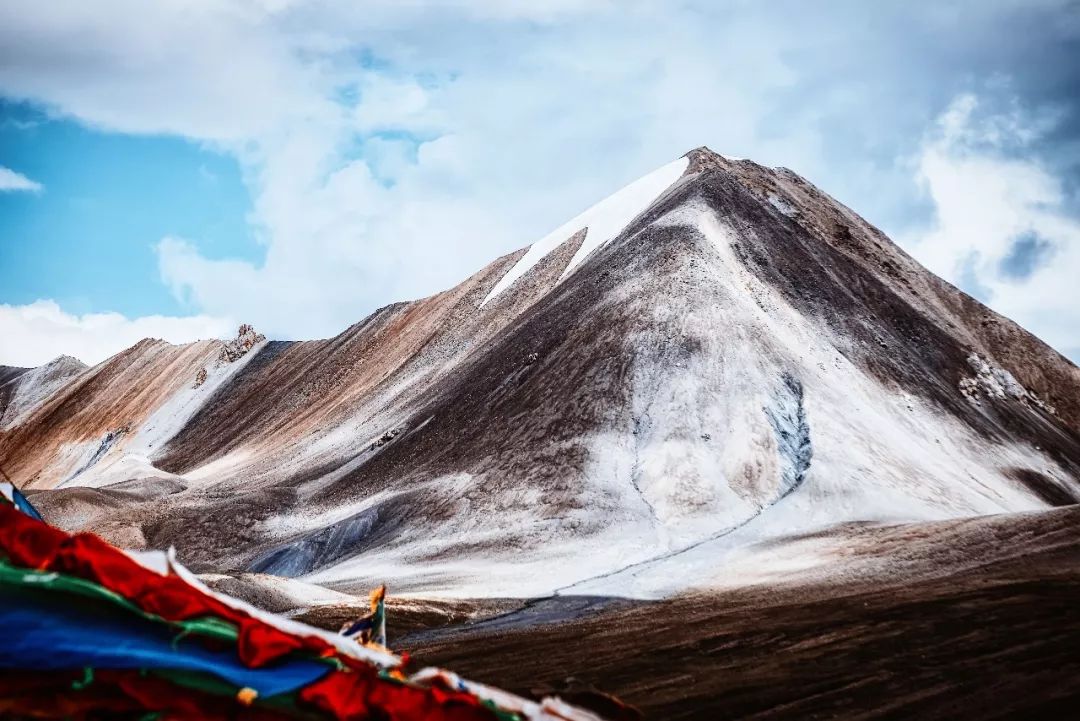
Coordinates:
column 718, row 355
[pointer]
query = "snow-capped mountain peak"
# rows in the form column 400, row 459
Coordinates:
column 717, row 355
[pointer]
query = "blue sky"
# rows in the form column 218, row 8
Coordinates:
column 87, row 240
column 175, row 168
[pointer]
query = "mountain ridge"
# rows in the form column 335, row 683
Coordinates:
column 742, row 358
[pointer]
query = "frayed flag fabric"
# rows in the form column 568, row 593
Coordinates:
column 91, row 631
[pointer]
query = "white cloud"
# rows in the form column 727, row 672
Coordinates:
column 473, row 154
column 988, row 200
column 392, row 148
column 216, row 71
column 10, row 181
column 38, row 332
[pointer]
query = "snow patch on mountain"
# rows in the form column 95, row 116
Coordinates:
column 995, row 382
column 36, row 385
column 104, row 446
column 783, row 205
column 174, row 413
column 604, row 221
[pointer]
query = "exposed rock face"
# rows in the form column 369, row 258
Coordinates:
column 246, row 339
column 717, row 355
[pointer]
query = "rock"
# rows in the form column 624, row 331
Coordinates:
column 385, row 438
column 246, row 339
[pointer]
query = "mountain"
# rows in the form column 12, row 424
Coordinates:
column 24, row 389
column 718, row 356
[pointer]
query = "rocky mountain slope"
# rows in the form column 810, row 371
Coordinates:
column 716, row 356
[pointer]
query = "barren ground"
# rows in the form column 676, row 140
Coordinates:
column 997, row 641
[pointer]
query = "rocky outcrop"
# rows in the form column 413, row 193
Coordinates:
column 235, row 349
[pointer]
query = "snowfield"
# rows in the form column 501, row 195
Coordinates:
column 603, row 222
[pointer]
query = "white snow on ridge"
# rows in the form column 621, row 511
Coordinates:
column 173, row 414
column 782, row 205
column 37, row 385
column 604, row 221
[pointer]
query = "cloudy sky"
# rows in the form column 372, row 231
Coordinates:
column 173, row 168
